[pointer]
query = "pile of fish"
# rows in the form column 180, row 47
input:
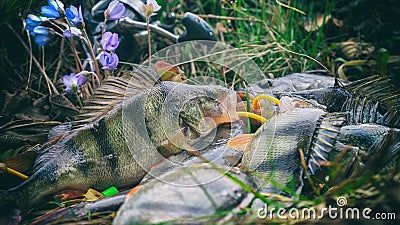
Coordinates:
column 170, row 141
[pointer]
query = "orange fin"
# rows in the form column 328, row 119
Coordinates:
column 69, row 194
column 132, row 192
column 23, row 162
column 240, row 141
column 169, row 72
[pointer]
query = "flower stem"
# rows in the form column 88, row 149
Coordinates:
column 77, row 60
column 104, row 26
column 148, row 37
column 78, row 99
column 37, row 63
column 96, row 65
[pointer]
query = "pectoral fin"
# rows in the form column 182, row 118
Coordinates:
column 23, row 162
column 132, row 192
column 240, row 141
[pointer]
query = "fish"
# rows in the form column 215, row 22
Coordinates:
column 124, row 143
column 187, row 195
column 373, row 99
column 273, row 154
column 294, row 82
column 215, row 152
column 368, row 142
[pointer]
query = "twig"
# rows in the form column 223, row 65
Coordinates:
column 77, row 60
column 304, row 55
column 148, row 38
column 210, row 16
column 51, row 85
column 289, row 7
column 59, row 63
column 96, row 65
column 30, row 60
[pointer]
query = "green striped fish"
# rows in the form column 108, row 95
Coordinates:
column 125, row 142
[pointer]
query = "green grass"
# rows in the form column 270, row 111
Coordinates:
column 272, row 35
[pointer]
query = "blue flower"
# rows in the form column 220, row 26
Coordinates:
column 74, row 31
column 109, row 41
column 109, row 60
column 115, row 11
column 72, row 82
column 33, row 21
column 41, row 33
column 41, row 30
column 41, row 39
column 53, row 9
column 74, row 15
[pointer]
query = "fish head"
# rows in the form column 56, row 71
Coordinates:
column 204, row 113
column 195, row 111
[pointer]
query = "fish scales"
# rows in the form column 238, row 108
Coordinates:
column 116, row 150
column 274, row 149
column 370, row 100
column 94, row 156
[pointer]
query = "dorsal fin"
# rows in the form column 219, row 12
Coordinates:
column 114, row 90
column 375, row 100
column 324, row 139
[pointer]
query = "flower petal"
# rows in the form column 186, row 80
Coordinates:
column 41, row 30
column 41, row 39
column 74, row 31
column 109, row 41
column 156, row 6
column 115, row 10
column 67, row 81
column 50, row 12
column 81, row 80
column 73, row 78
column 74, row 15
column 109, row 60
column 56, row 4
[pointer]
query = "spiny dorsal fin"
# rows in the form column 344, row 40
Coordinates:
column 324, row 139
column 113, row 91
column 379, row 92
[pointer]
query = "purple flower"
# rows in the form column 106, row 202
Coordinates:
column 41, row 33
column 72, row 82
column 155, row 6
column 74, row 31
column 74, row 15
column 53, row 9
column 109, row 41
column 115, row 10
column 109, row 60
column 33, row 21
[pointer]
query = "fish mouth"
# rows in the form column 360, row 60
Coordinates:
column 222, row 112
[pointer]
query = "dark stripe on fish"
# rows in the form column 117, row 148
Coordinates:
column 100, row 135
